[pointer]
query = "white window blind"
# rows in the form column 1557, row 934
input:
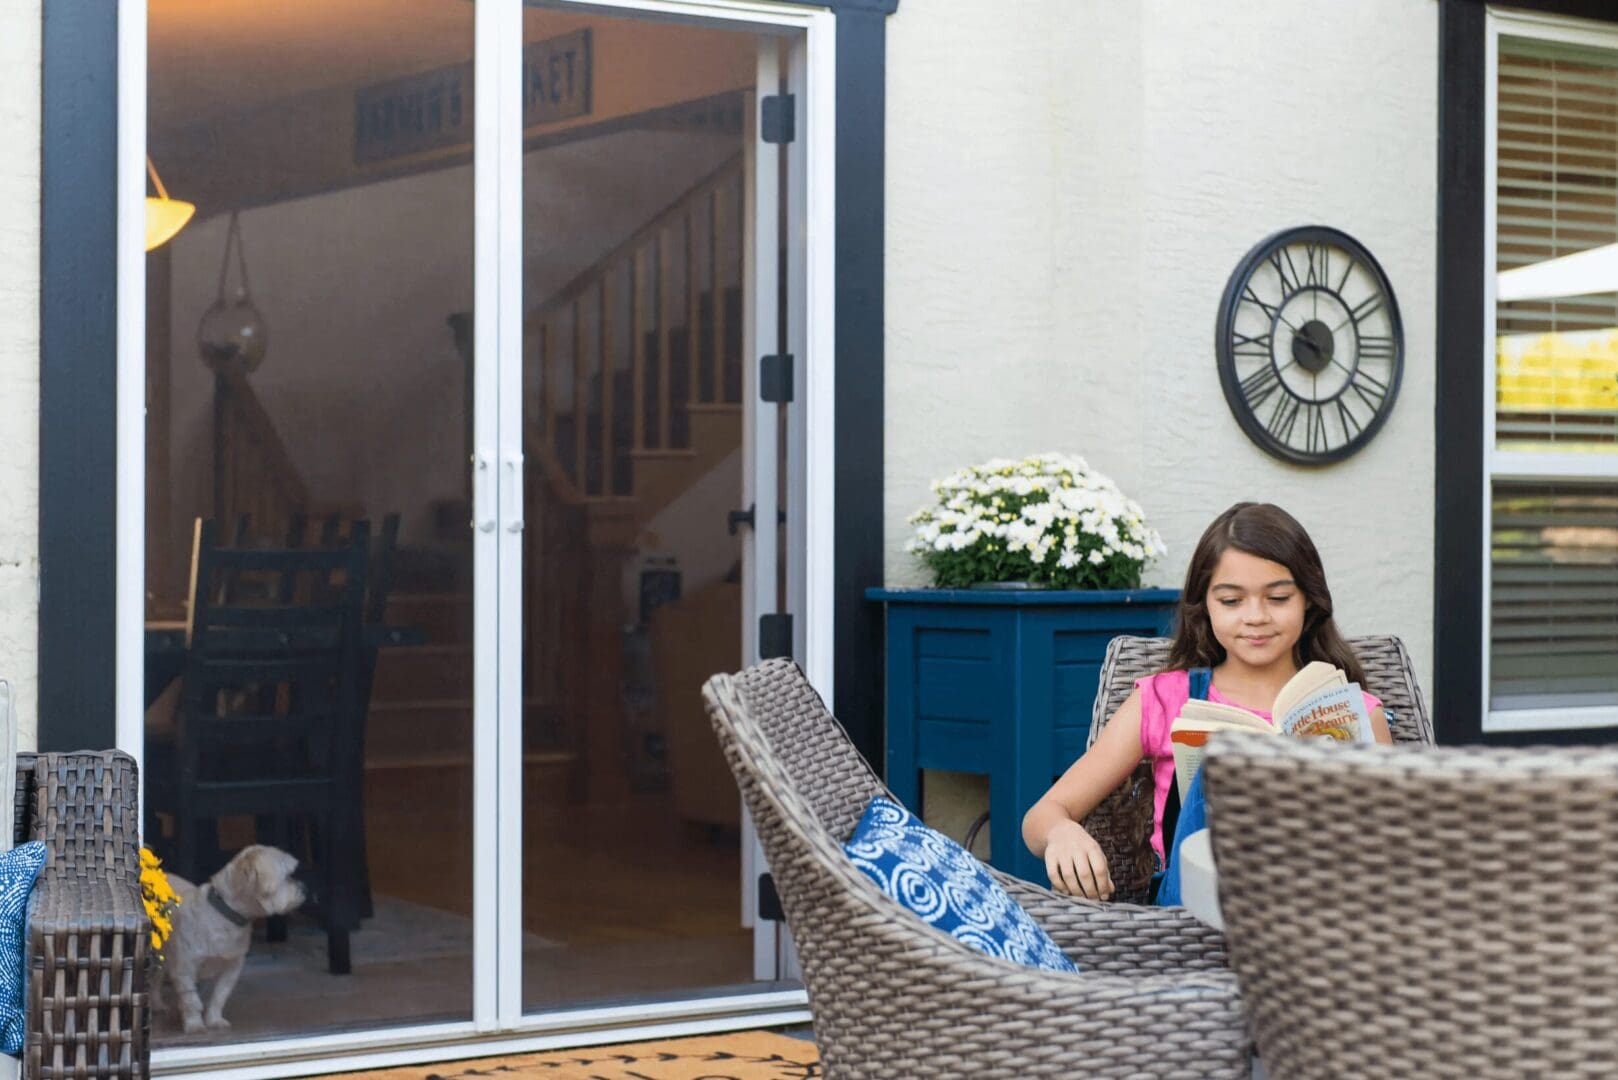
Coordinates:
column 1552, row 467
column 1557, row 195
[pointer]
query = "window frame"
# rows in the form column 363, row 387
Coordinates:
column 1506, row 465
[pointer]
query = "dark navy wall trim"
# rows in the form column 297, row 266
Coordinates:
column 77, row 375
column 78, row 378
column 861, row 172
column 1458, row 572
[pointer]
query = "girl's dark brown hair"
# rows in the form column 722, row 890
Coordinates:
column 1268, row 532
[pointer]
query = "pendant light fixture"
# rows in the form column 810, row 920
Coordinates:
column 164, row 216
column 232, row 334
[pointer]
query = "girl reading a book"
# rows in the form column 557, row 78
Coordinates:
column 1255, row 608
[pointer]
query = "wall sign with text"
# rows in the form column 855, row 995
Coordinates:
column 433, row 109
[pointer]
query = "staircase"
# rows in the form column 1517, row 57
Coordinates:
column 625, row 362
column 632, row 376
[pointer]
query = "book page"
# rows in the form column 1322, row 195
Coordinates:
column 1190, row 747
column 1309, row 680
column 1214, row 714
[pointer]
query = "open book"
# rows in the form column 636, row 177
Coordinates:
column 1318, row 702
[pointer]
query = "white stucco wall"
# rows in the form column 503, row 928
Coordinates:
column 19, row 356
column 1070, row 184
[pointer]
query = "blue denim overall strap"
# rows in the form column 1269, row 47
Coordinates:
column 1193, row 810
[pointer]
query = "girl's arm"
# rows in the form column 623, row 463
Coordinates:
column 1379, row 727
column 1051, row 828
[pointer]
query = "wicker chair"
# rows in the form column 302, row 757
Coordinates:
column 1441, row 914
column 1122, row 824
column 87, row 929
column 892, row 997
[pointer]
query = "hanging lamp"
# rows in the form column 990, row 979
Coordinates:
column 164, row 216
column 232, row 333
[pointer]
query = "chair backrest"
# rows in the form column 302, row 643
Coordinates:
column 809, row 754
column 1389, row 675
column 83, row 805
column 1400, row 914
column 1122, row 824
column 267, row 662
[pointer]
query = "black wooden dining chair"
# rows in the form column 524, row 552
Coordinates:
column 270, row 718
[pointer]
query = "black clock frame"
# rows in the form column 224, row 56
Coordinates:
column 1224, row 344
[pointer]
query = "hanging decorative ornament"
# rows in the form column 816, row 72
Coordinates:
column 232, row 334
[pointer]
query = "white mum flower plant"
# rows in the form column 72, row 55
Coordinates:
column 1047, row 520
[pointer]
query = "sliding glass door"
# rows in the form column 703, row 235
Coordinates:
column 307, row 370
column 477, row 412
column 652, row 255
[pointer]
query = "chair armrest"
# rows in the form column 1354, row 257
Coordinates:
column 893, row 996
column 88, row 943
column 1124, row 939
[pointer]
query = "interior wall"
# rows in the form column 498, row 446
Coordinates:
column 356, row 268
column 20, row 55
column 362, row 379
column 1116, row 173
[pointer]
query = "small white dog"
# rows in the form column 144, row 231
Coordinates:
column 213, row 929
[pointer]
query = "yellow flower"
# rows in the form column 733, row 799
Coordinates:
column 159, row 898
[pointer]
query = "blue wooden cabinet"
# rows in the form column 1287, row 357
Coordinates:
column 1001, row 683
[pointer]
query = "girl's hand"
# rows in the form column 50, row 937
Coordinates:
column 1075, row 862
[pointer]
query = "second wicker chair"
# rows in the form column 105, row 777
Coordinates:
column 1122, row 824
column 1441, row 914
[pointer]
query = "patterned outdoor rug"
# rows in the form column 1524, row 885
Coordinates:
column 744, row 1055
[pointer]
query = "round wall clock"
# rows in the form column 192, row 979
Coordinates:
column 1310, row 345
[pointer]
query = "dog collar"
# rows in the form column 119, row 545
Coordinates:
column 217, row 902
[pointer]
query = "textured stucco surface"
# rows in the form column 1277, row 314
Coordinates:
column 1070, row 184
column 19, row 355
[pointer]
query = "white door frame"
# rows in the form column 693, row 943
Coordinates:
column 497, row 1023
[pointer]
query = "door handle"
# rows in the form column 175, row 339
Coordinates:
column 514, row 504
column 482, row 494
column 737, row 518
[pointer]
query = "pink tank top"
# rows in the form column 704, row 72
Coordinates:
column 1161, row 697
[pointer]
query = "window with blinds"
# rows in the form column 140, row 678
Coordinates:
column 1552, row 466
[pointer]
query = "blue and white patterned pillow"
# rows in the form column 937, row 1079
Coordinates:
column 18, row 869
column 942, row 882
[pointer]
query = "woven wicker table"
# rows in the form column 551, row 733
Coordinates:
column 1199, row 881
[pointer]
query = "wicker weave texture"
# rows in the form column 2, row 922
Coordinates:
column 1122, row 823
column 88, row 932
column 1441, row 914
column 893, row 997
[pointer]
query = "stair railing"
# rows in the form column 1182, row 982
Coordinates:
column 617, row 359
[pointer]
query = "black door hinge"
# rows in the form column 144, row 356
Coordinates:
column 769, row 901
column 777, row 120
column 775, row 378
column 774, row 636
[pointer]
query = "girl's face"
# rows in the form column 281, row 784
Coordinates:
column 1256, row 609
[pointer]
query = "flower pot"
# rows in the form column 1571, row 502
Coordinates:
column 1001, row 682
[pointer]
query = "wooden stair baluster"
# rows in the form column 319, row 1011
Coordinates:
column 608, row 371
column 693, row 332
column 637, row 339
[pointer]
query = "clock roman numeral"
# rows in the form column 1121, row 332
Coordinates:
column 1260, row 385
column 1251, row 297
column 1371, row 390
column 1317, row 441
column 1259, row 346
column 1319, row 264
column 1285, row 270
column 1347, row 270
column 1376, row 347
column 1350, row 421
column 1283, row 418
column 1365, row 307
